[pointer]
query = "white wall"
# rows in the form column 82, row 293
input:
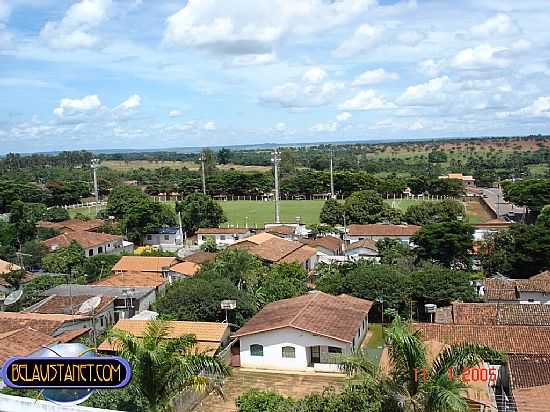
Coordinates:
column 273, row 342
column 363, row 251
column 106, row 248
column 403, row 239
column 223, row 240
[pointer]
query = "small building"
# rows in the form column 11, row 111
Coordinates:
column 166, row 238
column 526, row 382
column 277, row 250
column 485, row 229
column 467, row 181
column 93, row 243
column 223, row 236
column 200, row 258
column 494, row 314
column 210, row 336
column 379, row 231
column 8, row 267
column 534, row 290
column 362, row 249
column 128, row 300
column 326, row 245
column 183, row 270
column 306, row 333
column 135, row 279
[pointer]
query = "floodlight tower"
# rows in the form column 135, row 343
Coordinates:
column 331, row 174
column 276, row 158
column 202, row 158
column 95, row 165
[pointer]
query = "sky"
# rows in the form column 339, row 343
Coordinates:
column 142, row 74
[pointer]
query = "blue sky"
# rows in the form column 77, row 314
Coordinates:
column 152, row 74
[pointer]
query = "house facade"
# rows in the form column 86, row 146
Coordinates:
column 403, row 233
column 168, row 238
column 306, row 333
column 363, row 249
column 223, row 236
column 93, row 243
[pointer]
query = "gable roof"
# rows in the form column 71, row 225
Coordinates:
column 23, row 342
column 379, row 229
column 527, row 371
column 328, row 242
column 363, row 244
column 185, row 268
column 45, row 323
column 115, row 291
column 508, row 289
column 83, row 238
column 62, row 304
column 201, row 257
column 223, row 231
column 209, row 335
column 497, row 314
column 7, row 267
column 335, row 317
column 274, row 249
column 258, row 238
column 143, row 263
column 73, row 225
column 507, row 339
column 299, row 255
column 133, row 279
column 281, row 230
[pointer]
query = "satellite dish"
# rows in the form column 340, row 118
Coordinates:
column 89, row 305
column 13, row 297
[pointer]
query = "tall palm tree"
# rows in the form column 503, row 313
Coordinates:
column 415, row 384
column 162, row 367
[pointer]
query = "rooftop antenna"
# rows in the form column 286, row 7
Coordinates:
column 12, row 298
column 89, row 306
column 276, row 158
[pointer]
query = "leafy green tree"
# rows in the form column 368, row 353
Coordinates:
column 23, row 220
column 122, row 199
column 424, row 213
column 56, row 214
column 199, row 210
column 391, row 215
column 446, row 187
column 533, row 194
column 224, row 156
column 7, row 240
column 209, row 245
column 282, row 281
column 255, row 400
column 64, row 260
column 126, row 399
column 544, row 217
column 519, row 252
column 364, row 207
column 145, row 217
column 449, row 243
column 288, row 162
column 332, row 213
column 392, row 252
column 162, row 368
column 238, row 266
column 434, row 391
column 32, row 253
column 99, row 266
column 437, row 156
column 209, row 161
column 13, row 278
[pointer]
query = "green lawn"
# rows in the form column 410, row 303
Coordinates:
column 375, row 344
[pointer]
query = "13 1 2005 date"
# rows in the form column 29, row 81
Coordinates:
column 467, row 375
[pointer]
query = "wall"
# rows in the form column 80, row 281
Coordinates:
column 10, row 403
column 223, row 239
column 403, row 239
column 107, row 248
column 535, row 296
column 273, row 341
column 361, row 252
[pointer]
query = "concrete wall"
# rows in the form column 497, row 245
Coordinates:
column 222, row 240
column 106, row 248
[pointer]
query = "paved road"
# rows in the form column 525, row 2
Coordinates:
column 495, row 200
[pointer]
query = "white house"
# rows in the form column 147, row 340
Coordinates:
column 223, row 236
column 485, row 229
column 362, row 249
column 403, row 233
column 306, row 333
column 166, row 238
column 93, row 243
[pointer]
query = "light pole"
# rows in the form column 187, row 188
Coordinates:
column 95, row 165
column 331, row 174
column 276, row 159
column 203, row 174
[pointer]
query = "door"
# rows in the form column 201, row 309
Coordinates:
column 315, row 354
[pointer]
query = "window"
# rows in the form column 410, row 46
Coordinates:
column 256, row 350
column 149, row 237
column 90, row 252
column 288, row 352
column 100, row 249
column 222, row 237
column 166, row 237
column 334, row 349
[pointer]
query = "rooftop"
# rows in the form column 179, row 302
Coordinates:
column 45, row 323
column 496, row 314
column 23, row 342
column 185, row 268
column 282, row 250
column 336, row 317
column 281, row 230
column 508, row 289
column 74, row 225
column 133, row 279
column 380, row 229
column 530, row 381
column 363, row 244
column 7, row 267
column 143, row 263
column 83, row 238
column 328, row 242
column 200, row 258
column 115, row 291
column 62, row 304
column 223, row 230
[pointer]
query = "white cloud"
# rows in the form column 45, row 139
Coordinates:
column 5, row 10
column 433, row 92
column 417, row 125
column 479, row 57
column 175, row 113
column 254, row 59
column 500, row 24
column 429, row 67
column 314, row 75
column 73, row 31
column 376, row 76
column 366, row 100
column 254, row 27
column 280, row 127
column 69, row 107
column 209, row 126
column 131, row 103
column 325, row 127
column 343, row 117
column 366, row 37
column 411, row 38
column 539, row 108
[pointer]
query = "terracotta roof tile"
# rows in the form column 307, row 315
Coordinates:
column 45, row 323
column 74, row 225
column 83, row 238
column 23, row 342
column 382, row 230
column 498, row 314
column 318, row 313
column 535, row 399
column 527, row 371
column 133, row 279
column 7, row 267
column 281, row 230
column 365, row 243
column 331, row 243
column 200, row 258
column 143, row 263
column 300, row 255
column 507, row 339
column 257, row 239
column 72, row 335
column 275, row 249
column 185, row 268
column 56, row 304
column 222, row 231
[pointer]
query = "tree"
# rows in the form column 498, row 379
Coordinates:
column 436, row 390
column 288, row 162
column 122, row 199
column 64, row 260
column 162, row 368
column 533, row 194
column 393, row 251
column 209, row 161
column 209, row 245
column 56, row 214
column 199, row 210
column 521, row 251
column 32, row 253
column 224, row 156
column 437, row 156
column 544, row 217
column 282, row 281
column 449, row 243
column 13, row 278
column 423, row 213
column 96, row 267
column 332, row 213
column 23, row 220
column 364, row 207
column 146, row 216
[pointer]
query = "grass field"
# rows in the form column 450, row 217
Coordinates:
column 375, row 343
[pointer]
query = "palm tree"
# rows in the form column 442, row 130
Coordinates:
column 415, row 384
column 162, row 367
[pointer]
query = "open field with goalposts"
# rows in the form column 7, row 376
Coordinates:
column 257, row 213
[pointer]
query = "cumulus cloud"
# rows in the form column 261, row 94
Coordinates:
column 367, row 100
column 74, row 30
column 209, row 126
column 314, row 75
column 433, row 92
column 539, row 108
column 175, row 113
column 254, row 59
column 69, row 107
column 500, row 24
column 366, row 37
column 479, row 57
column 254, row 28
column 325, row 127
column 376, row 76
column 343, row 117
column 429, row 67
column 131, row 103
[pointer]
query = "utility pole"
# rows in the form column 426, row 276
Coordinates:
column 276, row 159
column 203, row 159
column 95, row 165
column 331, row 174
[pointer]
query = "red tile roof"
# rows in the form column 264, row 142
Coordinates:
column 382, row 230
column 281, row 230
column 507, row 339
column 275, row 249
column 365, row 243
column 83, row 238
column 185, row 268
column 497, row 314
column 300, row 255
column 200, row 258
column 74, row 225
column 527, row 371
column 331, row 243
column 56, row 304
column 23, row 342
column 45, row 323
column 143, row 263
column 335, row 317
column 133, row 280
column 535, row 399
